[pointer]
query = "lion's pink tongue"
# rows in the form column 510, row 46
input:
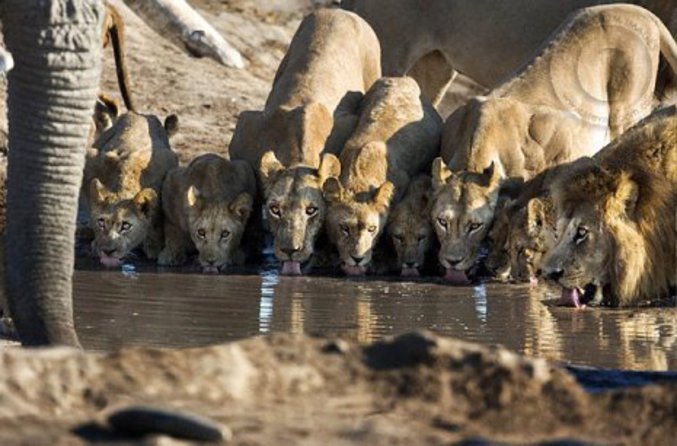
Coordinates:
column 410, row 272
column 110, row 262
column 456, row 277
column 570, row 298
column 210, row 269
column 290, row 268
column 354, row 270
column 533, row 280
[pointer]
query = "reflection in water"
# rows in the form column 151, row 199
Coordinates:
column 190, row 309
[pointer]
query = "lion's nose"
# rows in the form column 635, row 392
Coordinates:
column 555, row 274
column 109, row 252
column 357, row 260
column 410, row 264
column 453, row 261
column 290, row 251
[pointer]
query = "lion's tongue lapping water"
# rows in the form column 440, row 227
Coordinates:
column 456, row 277
column 291, row 268
column 354, row 270
column 410, row 272
column 570, row 297
column 109, row 261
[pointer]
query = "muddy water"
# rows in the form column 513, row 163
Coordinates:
column 183, row 309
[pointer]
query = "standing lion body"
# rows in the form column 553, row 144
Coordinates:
column 332, row 60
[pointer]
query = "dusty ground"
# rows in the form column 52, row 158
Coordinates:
column 288, row 389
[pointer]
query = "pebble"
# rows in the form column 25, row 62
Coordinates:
column 146, row 420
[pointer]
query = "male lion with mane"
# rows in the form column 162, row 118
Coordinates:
column 617, row 220
column 570, row 100
column 332, row 60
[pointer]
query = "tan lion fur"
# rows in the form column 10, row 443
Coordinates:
column 409, row 228
column 396, row 138
column 617, row 219
column 207, row 206
column 482, row 39
column 122, row 183
column 332, row 60
column 567, row 102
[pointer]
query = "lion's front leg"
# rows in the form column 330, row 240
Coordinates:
column 176, row 246
column 153, row 243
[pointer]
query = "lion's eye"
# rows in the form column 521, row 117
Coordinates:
column 274, row 209
column 371, row 229
column 442, row 222
column 125, row 226
column 398, row 238
column 581, row 234
column 201, row 233
column 344, row 229
column 101, row 223
column 225, row 235
column 474, row 227
column 311, row 211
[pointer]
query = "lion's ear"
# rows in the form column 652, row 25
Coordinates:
column 627, row 194
column 269, row 168
column 97, row 191
column 332, row 190
column 193, row 196
column 383, row 196
column 171, row 125
column 330, row 166
column 440, row 173
column 146, row 201
column 242, row 206
column 491, row 175
column 535, row 216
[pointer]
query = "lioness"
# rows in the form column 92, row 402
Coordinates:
column 122, row 182
column 432, row 40
column 409, row 227
column 396, row 138
column 206, row 206
column 332, row 60
column 617, row 220
column 567, row 102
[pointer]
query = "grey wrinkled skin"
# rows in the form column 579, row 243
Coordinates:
column 51, row 96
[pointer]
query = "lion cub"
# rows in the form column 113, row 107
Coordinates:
column 409, row 227
column 122, row 182
column 207, row 205
column 396, row 138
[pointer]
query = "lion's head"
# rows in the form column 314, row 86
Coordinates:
column 355, row 222
column 295, row 207
column 216, row 227
column 462, row 213
column 531, row 235
column 409, row 227
column 615, row 234
column 120, row 225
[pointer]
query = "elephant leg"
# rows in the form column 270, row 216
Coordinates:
column 51, row 95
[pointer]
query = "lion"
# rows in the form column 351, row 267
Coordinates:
column 616, row 220
column 546, row 115
column 409, row 227
column 113, row 33
column 396, row 138
column 312, row 109
column 207, row 206
column 122, row 184
column 483, row 39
